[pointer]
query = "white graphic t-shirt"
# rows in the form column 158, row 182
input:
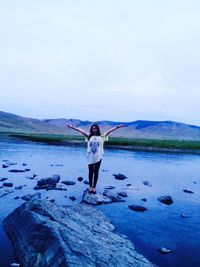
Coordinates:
column 95, row 148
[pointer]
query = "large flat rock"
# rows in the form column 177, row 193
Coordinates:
column 99, row 198
column 45, row 235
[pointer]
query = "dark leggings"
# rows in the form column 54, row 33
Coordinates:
column 94, row 171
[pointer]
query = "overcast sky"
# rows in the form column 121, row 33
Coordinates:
column 101, row 59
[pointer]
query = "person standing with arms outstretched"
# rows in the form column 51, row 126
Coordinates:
column 95, row 150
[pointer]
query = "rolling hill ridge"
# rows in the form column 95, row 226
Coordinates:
column 136, row 129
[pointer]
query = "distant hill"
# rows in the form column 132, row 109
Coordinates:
column 136, row 129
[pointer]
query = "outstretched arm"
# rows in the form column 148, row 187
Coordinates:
column 113, row 129
column 78, row 130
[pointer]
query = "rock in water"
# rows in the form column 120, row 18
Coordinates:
column 31, row 196
column 164, row 250
column 48, row 183
column 19, row 187
column 112, row 196
column 68, row 182
column 183, row 215
column 144, row 199
column 15, row 170
column 166, row 199
column 122, row 194
column 14, row 264
column 95, row 199
column 119, row 176
column 73, row 198
column 3, row 179
column 80, row 179
column 109, row 187
column 8, row 184
column 137, row 208
column 188, row 191
column 147, row 183
column 8, row 164
column 46, row 235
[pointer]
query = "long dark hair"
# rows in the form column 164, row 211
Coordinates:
column 98, row 130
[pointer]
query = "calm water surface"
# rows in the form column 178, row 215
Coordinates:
column 159, row 226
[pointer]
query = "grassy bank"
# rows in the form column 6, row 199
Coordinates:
column 47, row 138
column 113, row 141
column 174, row 144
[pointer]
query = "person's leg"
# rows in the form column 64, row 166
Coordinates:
column 96, row 174
column 91, row 171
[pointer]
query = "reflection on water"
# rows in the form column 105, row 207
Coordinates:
column 159, row 226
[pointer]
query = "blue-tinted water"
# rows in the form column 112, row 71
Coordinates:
column 159, row 226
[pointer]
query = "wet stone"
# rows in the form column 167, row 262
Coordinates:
column 16, row 170
column 109, row 187
column 166, row 199
column 68, row 182
column 31, row 196
column 18, row 187
column 8, row 184
column 188, row 191
column 144, row 199
column 112, row 196
column 163, row 250
column 73, row 198
column 137, row 208
column 119, row 176
column 122, row 194
column 147, row 183
column 3, row 179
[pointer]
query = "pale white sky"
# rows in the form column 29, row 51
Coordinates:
column 101, row 60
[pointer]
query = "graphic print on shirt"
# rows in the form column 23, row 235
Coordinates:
column 94, row 144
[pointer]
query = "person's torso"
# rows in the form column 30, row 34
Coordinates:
column 95, row 145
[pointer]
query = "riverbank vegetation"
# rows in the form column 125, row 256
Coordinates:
column 129, row 143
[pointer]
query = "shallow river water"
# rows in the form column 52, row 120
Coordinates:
column 159, row 226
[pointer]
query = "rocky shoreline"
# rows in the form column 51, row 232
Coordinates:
column 21, row 180
column 44, row 234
